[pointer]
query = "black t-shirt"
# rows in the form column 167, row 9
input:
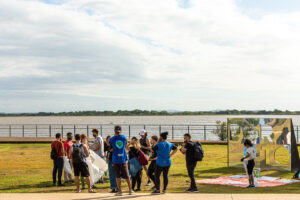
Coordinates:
column 133, row 153
column 106, row 149
column 143, row 143
column 153, row 153
column 189, row 154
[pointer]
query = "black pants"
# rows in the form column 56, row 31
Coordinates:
column 158, row 171
column 191, row 168
column 137, row 179
column 58, row 167
column 151, row 171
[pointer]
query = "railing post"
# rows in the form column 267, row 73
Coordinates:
column 62, row 131
column 188, row 128
column 50, row 131
column 297, row 135
column 36, row 130
column 172, row 132
column 87, row 131
column 74, row 130
column 129, row 132
column 144, row 127
column 204, row 132
column 159, row 129
column 23, row 131
column 101, row 131
column 9, row 130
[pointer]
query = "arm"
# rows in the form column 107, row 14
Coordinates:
column 247, row 156
column 86, row 151
column 99, row 146
column 173, row 152
column 62, row 149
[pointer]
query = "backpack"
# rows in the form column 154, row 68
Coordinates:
column 77, row 154
column 198, row 152
column 297, row 175
column 53, row 154
column 142, row 158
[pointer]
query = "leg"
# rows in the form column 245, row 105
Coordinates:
column 118, row 180
column 157, row 177
column 60, row 168
column 134, row 179
column 54, row 171
column 112, row 176
column 89, row 183
column 165, row 174
column 151, row 172
column 139, row 180
column 191, row 168
column 77, row 183
column 128, row 183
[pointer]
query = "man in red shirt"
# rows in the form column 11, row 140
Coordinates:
column 67, row 146
column 58, row 161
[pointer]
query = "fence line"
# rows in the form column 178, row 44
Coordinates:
column 198, row 132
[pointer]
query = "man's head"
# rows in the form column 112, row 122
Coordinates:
column 187, row 137
column 154, row 139
column 69, row 136
column 58, row 136
column 143, row 133
column 164, row 135
column 95, row 132
column 77, row 137
column 118, row 130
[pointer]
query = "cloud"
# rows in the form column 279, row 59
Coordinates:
column 138, row 51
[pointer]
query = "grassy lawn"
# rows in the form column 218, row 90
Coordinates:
column 27, row 168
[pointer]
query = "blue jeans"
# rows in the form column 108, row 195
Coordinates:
column 58, row 167
column 112, row 175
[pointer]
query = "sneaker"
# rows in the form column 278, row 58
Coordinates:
column 119, row 193
column 164, row 192
column 113, row 191
column 251, row 186
column 195, row 190
column 60, row 185
column 137, row 190
column 153, row 188
column 131, row 192
column 155, row 192
column 101, row 181
column 54, row 184
column 149, row 183
column 189, row 190
column 94, row 187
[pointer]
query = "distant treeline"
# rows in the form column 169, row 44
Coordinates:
column 155, row 113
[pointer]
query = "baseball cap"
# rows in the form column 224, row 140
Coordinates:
column 143, row 132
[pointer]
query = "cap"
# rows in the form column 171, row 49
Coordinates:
column 143, row 132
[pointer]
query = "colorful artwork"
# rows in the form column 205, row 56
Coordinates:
column 274, row 142
column 242, row 181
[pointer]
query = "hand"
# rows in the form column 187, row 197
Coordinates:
column 242, row 160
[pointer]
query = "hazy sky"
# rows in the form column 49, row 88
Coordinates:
column 64, row 55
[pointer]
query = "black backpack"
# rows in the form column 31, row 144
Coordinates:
column 198, row 152
column 77, row 154
column 53, row 154
column 297, row 175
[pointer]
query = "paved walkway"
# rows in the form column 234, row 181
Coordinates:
column 180, row 196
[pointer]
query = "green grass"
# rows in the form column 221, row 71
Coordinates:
column 27, row 168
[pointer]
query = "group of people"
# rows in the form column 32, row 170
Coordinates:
column 118, row 152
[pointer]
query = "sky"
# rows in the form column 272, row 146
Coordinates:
column 71, row 55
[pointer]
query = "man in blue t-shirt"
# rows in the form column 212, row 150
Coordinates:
column 119, row 159
column 163, row 162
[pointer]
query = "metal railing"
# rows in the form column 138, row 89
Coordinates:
column 198, row 132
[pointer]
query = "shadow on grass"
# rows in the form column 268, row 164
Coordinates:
column 117, row 197
column 41, row 185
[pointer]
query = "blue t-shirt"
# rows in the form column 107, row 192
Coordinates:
column 163, row 150
column 118, row 143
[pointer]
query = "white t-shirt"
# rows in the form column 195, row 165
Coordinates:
column 252, row 153
column 97, row 142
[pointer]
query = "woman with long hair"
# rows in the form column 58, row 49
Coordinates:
column 134, row 152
